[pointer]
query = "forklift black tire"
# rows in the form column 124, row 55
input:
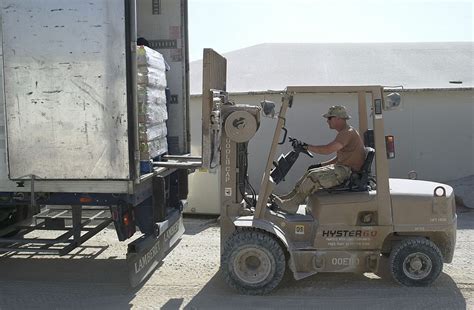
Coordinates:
column 416, row 262
column 253, row 262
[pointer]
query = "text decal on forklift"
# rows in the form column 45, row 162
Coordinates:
column 349, row 233
column 299, row 229
column 227, row 160
column 349, row 237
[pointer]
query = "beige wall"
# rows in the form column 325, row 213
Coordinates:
column 433, row 136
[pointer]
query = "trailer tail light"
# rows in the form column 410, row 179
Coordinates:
column 126, row 220
column 390, row 146
column 85, row 200
column 129, row 224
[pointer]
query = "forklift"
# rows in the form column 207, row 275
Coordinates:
column 344, row 229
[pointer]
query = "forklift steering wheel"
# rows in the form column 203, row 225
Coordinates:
column 298, row 146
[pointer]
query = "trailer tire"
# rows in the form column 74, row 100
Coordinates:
column 253, row 262
column 16, row 215
column 416, row 262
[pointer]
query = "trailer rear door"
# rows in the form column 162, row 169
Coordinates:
column 65, row 89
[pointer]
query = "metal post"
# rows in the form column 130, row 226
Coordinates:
column 214, row 75
column 159, row 198
column 381, row 161
column 266, row 187
column 76, row 211
column 363, row 124
column 132, row 44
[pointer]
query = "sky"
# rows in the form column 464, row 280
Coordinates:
column 228, row 25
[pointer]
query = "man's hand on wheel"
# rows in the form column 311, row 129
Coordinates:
column 299, row 145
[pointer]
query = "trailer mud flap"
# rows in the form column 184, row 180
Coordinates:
column 145, row 253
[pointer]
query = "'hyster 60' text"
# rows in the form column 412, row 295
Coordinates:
column 349, row 233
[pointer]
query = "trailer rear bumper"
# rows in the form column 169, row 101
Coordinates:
column 145, row 253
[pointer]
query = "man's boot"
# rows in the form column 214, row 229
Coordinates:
column 290, row 205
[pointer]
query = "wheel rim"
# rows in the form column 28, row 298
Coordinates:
column 252, row 265
column 417, row 266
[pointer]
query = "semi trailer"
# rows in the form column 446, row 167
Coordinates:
column 94, row 128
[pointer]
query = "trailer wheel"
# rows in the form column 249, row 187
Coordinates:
column 416, row 262
column 253, row 262
column 11, row 217
column 6, row 217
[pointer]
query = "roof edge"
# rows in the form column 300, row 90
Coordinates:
column 404, row 90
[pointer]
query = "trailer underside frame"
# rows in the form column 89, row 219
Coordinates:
column 77, row 224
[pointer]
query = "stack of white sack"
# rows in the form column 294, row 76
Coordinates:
column 152, row 112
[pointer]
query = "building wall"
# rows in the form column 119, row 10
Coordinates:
column 433, row 135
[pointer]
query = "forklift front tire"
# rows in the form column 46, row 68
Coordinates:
column 253, row 262
column 416, row 262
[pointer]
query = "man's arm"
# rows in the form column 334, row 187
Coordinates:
column 327, row 149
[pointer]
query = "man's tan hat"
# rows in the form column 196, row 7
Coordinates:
column 337, row 111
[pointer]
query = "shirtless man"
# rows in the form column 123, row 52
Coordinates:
column 350, row 156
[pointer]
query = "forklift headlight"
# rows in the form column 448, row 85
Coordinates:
column 392, row 101
column 439, row 191
column 268, row 108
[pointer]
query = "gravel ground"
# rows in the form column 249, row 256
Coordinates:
column 95, row 276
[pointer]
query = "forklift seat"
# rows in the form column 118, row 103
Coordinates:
column 359, row 181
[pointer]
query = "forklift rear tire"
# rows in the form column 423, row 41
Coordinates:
column 253, row 262
column 416, row 262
